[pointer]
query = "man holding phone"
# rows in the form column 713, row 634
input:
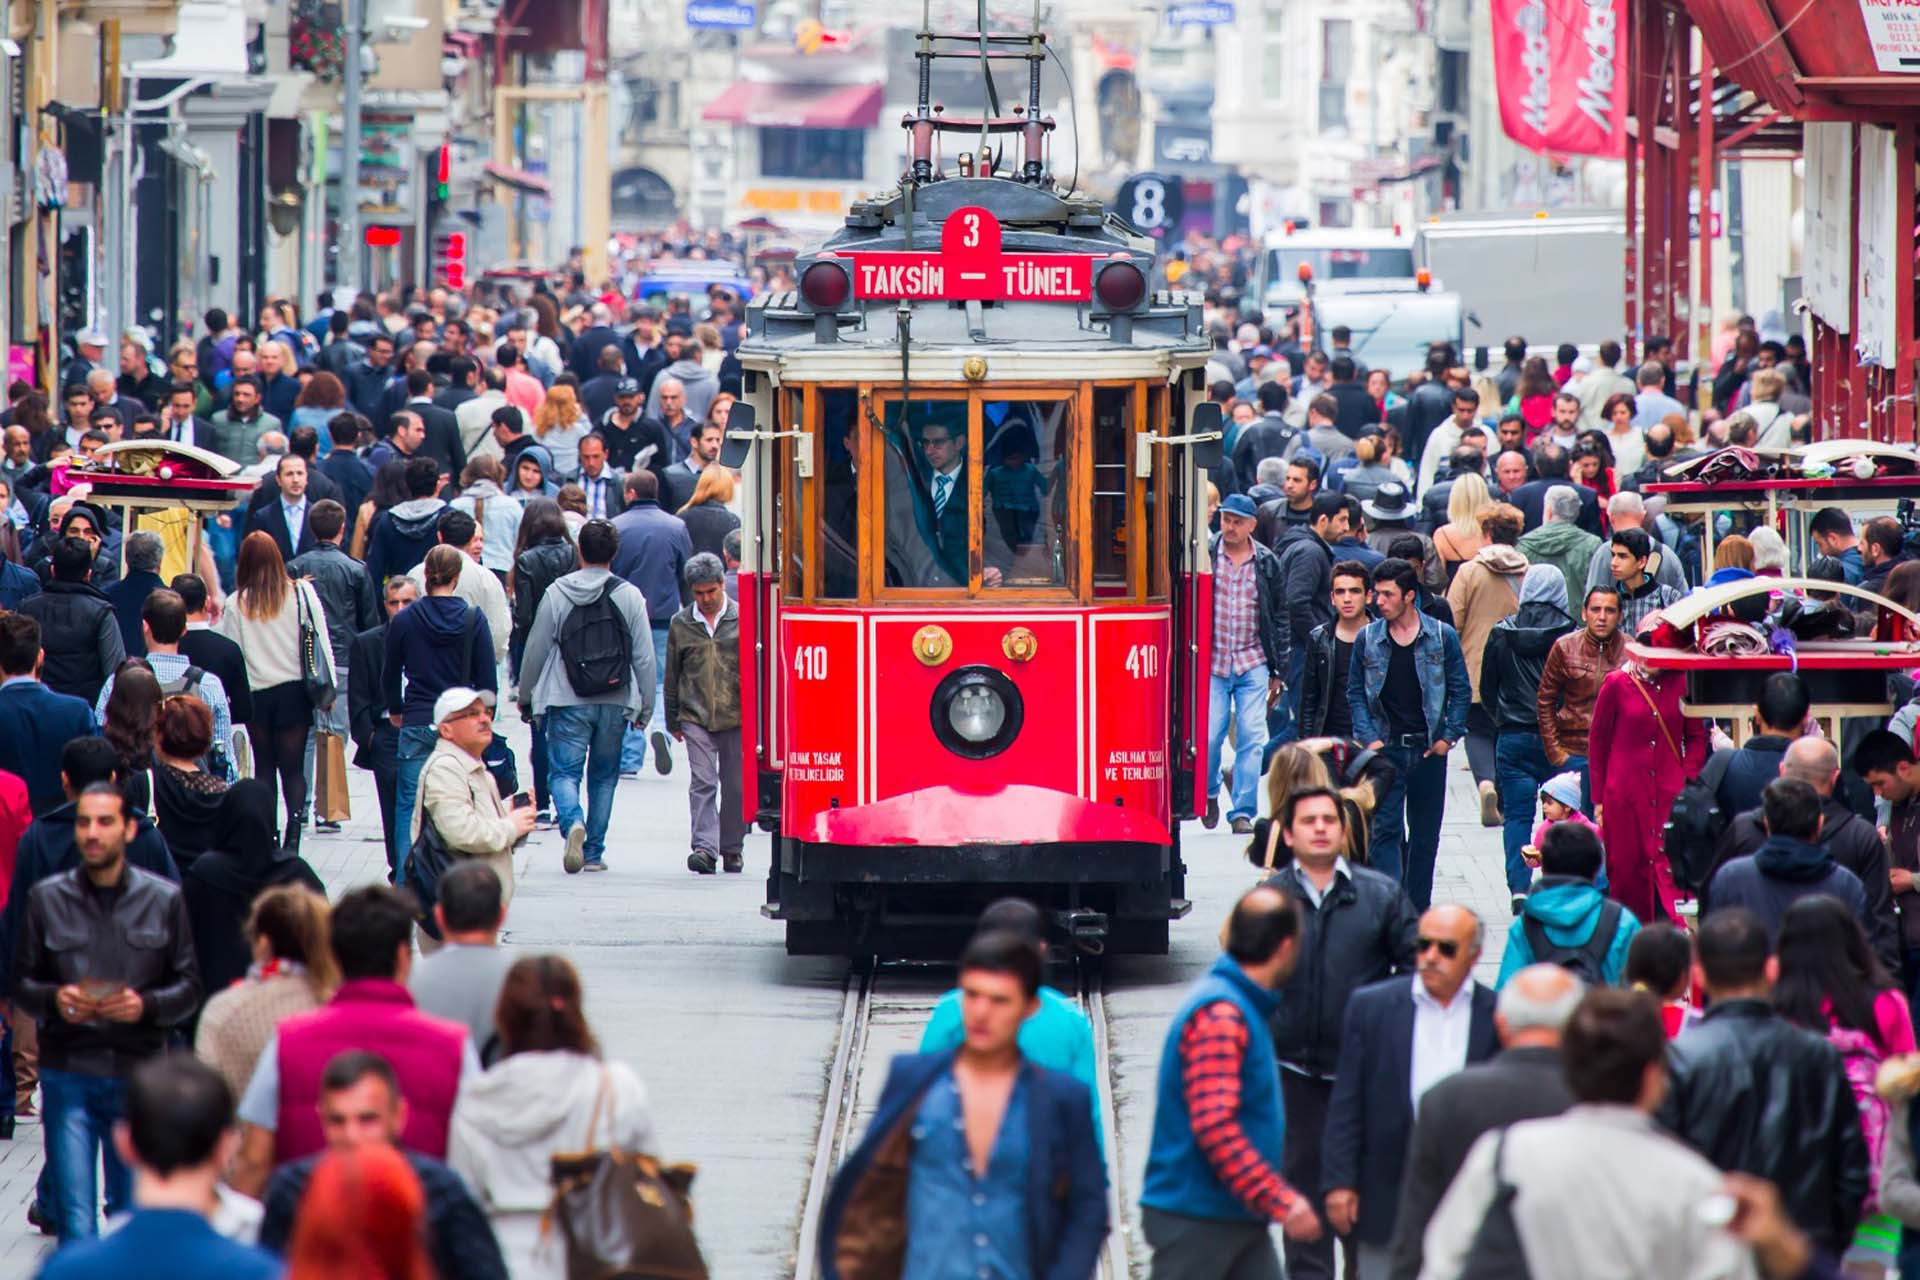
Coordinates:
column 104, row 1005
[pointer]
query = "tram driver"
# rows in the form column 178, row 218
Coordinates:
column 927, row 534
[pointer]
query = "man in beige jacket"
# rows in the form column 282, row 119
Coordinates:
column 459, row 795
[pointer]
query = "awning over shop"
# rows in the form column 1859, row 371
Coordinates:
column 518, row 179
column 1852, row 59
column 798, row 106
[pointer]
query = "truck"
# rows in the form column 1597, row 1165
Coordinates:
column 1548, row 275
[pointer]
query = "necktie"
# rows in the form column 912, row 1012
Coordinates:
column 942, row 489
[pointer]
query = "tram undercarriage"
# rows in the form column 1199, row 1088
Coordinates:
column 921, row 902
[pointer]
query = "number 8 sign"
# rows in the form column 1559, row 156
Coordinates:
column 1151, row 203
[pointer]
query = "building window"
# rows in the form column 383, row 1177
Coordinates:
column 1273, row 55
column 830, row 155
column 1336, row 66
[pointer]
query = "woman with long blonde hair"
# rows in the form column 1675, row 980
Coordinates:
column 264, row 618
column 1460, row 539
column 1296, row 767
column 560, row 424
column 706, row 515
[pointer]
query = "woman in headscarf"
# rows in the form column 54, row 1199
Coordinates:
column 1640, row 752
column 1510, row 671
column 244, row 859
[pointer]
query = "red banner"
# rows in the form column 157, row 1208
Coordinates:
column 1561, row 66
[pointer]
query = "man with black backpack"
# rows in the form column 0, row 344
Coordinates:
column 588, row 673
column 1567, row 920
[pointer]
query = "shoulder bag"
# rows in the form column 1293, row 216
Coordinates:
column 316, row 653
column 622, row 1213
column 427, row 860
column 1497, row 1252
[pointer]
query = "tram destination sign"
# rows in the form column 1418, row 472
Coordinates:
column 970, row 266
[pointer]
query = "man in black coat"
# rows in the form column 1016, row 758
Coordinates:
column 78, row 631
column 376, row 743
column 1755, row 1094
column 584, row 357
column 1400, row 1039
column 1357, row 408
column 347, row 471
column 1306, row 580
column 208, row 649
column 442, row 442
column 1524, row 1081
column 1268, row 436
column 1851, row 840
column 1552, row 465
column 1357, row 928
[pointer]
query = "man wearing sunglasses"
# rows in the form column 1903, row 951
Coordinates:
column 1357, row 927
column 1401, row 1039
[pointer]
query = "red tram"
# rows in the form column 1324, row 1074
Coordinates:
column 974, row 589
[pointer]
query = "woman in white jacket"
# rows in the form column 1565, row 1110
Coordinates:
column 541, row 1098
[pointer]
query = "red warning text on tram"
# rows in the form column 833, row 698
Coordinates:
column 970, row 267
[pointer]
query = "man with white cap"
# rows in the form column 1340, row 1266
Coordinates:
column 459, row 796
column 90, row 347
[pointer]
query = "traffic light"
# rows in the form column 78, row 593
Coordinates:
column 443, row 171
column 450, row 258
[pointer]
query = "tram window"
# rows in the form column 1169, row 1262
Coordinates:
column 791, row 497
column 1112, row 463
column 1026, row 445
column 840, row 515
column 924, row 487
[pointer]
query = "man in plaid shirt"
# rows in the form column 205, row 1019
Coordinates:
column 1246, row 676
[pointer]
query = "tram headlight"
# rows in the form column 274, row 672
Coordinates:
column 976, row 712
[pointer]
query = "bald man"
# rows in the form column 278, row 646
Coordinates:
column 1402, row 1037
column 1524, row 1082
column 1851, row 840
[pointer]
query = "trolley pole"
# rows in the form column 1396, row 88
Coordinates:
column 348, row 271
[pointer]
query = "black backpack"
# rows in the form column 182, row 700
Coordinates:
column 1695, row 825
column 1586, row 962
column 597, row 646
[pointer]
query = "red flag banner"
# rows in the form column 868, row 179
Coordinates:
column 1561, row 66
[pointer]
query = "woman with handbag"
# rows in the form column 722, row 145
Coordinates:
column 278, row 623
column 551, row 1094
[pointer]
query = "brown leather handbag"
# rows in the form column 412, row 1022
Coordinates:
column 623, row 1215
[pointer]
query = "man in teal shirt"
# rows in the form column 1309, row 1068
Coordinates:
column 1058, row 1036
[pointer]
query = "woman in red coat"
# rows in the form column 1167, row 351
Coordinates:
column 1640, row 752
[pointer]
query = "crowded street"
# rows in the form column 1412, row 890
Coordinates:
column 780, row 640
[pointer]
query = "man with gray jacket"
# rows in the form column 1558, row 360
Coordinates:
column 703, row 711
column 587, row 672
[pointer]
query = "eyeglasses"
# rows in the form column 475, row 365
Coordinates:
column 1447, row 947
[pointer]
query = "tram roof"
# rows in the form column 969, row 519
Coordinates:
column 1035, row 223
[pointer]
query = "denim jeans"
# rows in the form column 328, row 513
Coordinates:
column 584, row 739
column 1521, row 768
column 1283, row 719
column 1244, row 699
column 80, row 1114
column 633, row 750
column 1406, row 824
column 416, row 744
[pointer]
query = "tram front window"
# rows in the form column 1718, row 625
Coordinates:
column 930, row 485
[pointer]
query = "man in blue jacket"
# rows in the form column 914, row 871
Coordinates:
column 653, row 554
column 35, row 722
column 1213, row 1185
column 1409, row 694
column 1003, row 1174
column 1567, row 920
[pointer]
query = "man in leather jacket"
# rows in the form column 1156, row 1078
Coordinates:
column 1357, row 927
column 1570, row 682
column 1755, row 1094
column 1324, row 710
column 106, row 967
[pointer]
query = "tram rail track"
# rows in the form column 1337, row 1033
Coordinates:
column 881, row 1006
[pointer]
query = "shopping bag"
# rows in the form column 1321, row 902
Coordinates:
column 330, row 778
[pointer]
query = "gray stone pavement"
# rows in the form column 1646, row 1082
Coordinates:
column 733, row 1038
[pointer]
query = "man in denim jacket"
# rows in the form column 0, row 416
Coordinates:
column 1409, row 692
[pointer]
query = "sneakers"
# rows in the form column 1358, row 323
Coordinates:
column 733, row 862
column 1243, row 826
column 1489, row 805
column 575, row 857
column 594, row 864
column 662, row 753
column 543, row 820
column 1519, row 904
column 39, row 1221
column 326, row 828
column 1211, row 818
column 700, row 862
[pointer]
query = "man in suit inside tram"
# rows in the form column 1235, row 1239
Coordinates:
column 927, row 535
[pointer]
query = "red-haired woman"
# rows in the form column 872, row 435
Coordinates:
column 363, row 1217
